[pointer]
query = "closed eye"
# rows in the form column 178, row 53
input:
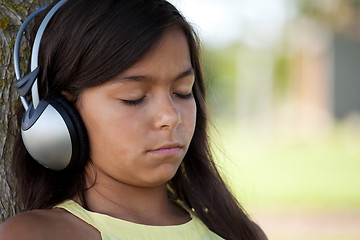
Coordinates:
column 139, row 101
column 133, row 102
column 184, row 96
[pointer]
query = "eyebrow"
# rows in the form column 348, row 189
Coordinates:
column 138, row 78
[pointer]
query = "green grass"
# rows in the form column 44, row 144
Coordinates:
column 280, row 174
column 286, row 171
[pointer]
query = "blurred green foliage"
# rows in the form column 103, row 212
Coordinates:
column 290, row 172
column 281, row 74
column 219, row 66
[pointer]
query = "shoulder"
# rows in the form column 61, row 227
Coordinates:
column 29, row 225
column 46, row 224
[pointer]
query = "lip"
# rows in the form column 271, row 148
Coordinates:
column 167, row 149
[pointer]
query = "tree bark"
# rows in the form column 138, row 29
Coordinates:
column 12, row 15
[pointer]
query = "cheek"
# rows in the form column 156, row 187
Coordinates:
column 112, row 132
column 122, row 130
column 189, row 117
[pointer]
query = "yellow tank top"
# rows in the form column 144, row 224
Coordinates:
column 116, row 229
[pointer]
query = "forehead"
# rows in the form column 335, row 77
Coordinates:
column 171, row 47
column 168, row 58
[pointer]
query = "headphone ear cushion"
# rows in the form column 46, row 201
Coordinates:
column 80, row 145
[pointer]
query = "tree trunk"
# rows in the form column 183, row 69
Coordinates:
column 12, row 15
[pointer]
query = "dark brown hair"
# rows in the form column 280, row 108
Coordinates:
column 87, row 43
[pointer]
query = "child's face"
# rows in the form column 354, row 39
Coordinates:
column 140, row 125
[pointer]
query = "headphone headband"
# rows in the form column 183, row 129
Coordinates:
column 35, row 50
column 30, row 80
column 20, row 86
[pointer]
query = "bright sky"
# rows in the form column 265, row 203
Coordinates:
column 255, row 22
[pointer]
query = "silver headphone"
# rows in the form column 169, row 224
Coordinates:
column 51, row 129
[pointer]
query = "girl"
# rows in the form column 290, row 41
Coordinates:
column 130, row 72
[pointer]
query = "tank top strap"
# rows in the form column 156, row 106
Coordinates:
column 73, row 208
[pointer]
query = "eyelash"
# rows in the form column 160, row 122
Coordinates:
column 133, row 102
column 139, row 101
column 186, row 96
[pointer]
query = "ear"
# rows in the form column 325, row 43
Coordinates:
column 68, row 96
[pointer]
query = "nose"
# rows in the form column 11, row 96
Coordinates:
column 167, row 115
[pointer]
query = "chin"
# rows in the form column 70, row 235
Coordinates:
column 162, row 177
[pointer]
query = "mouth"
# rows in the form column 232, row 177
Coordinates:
column 167, row 149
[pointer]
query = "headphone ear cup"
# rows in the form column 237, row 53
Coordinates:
column 54, row 135
column 80, row 145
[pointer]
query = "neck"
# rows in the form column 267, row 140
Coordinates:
column 144, row 205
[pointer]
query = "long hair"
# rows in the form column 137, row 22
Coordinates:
column 89, row 42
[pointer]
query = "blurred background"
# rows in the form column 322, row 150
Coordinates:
column 283, row 79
